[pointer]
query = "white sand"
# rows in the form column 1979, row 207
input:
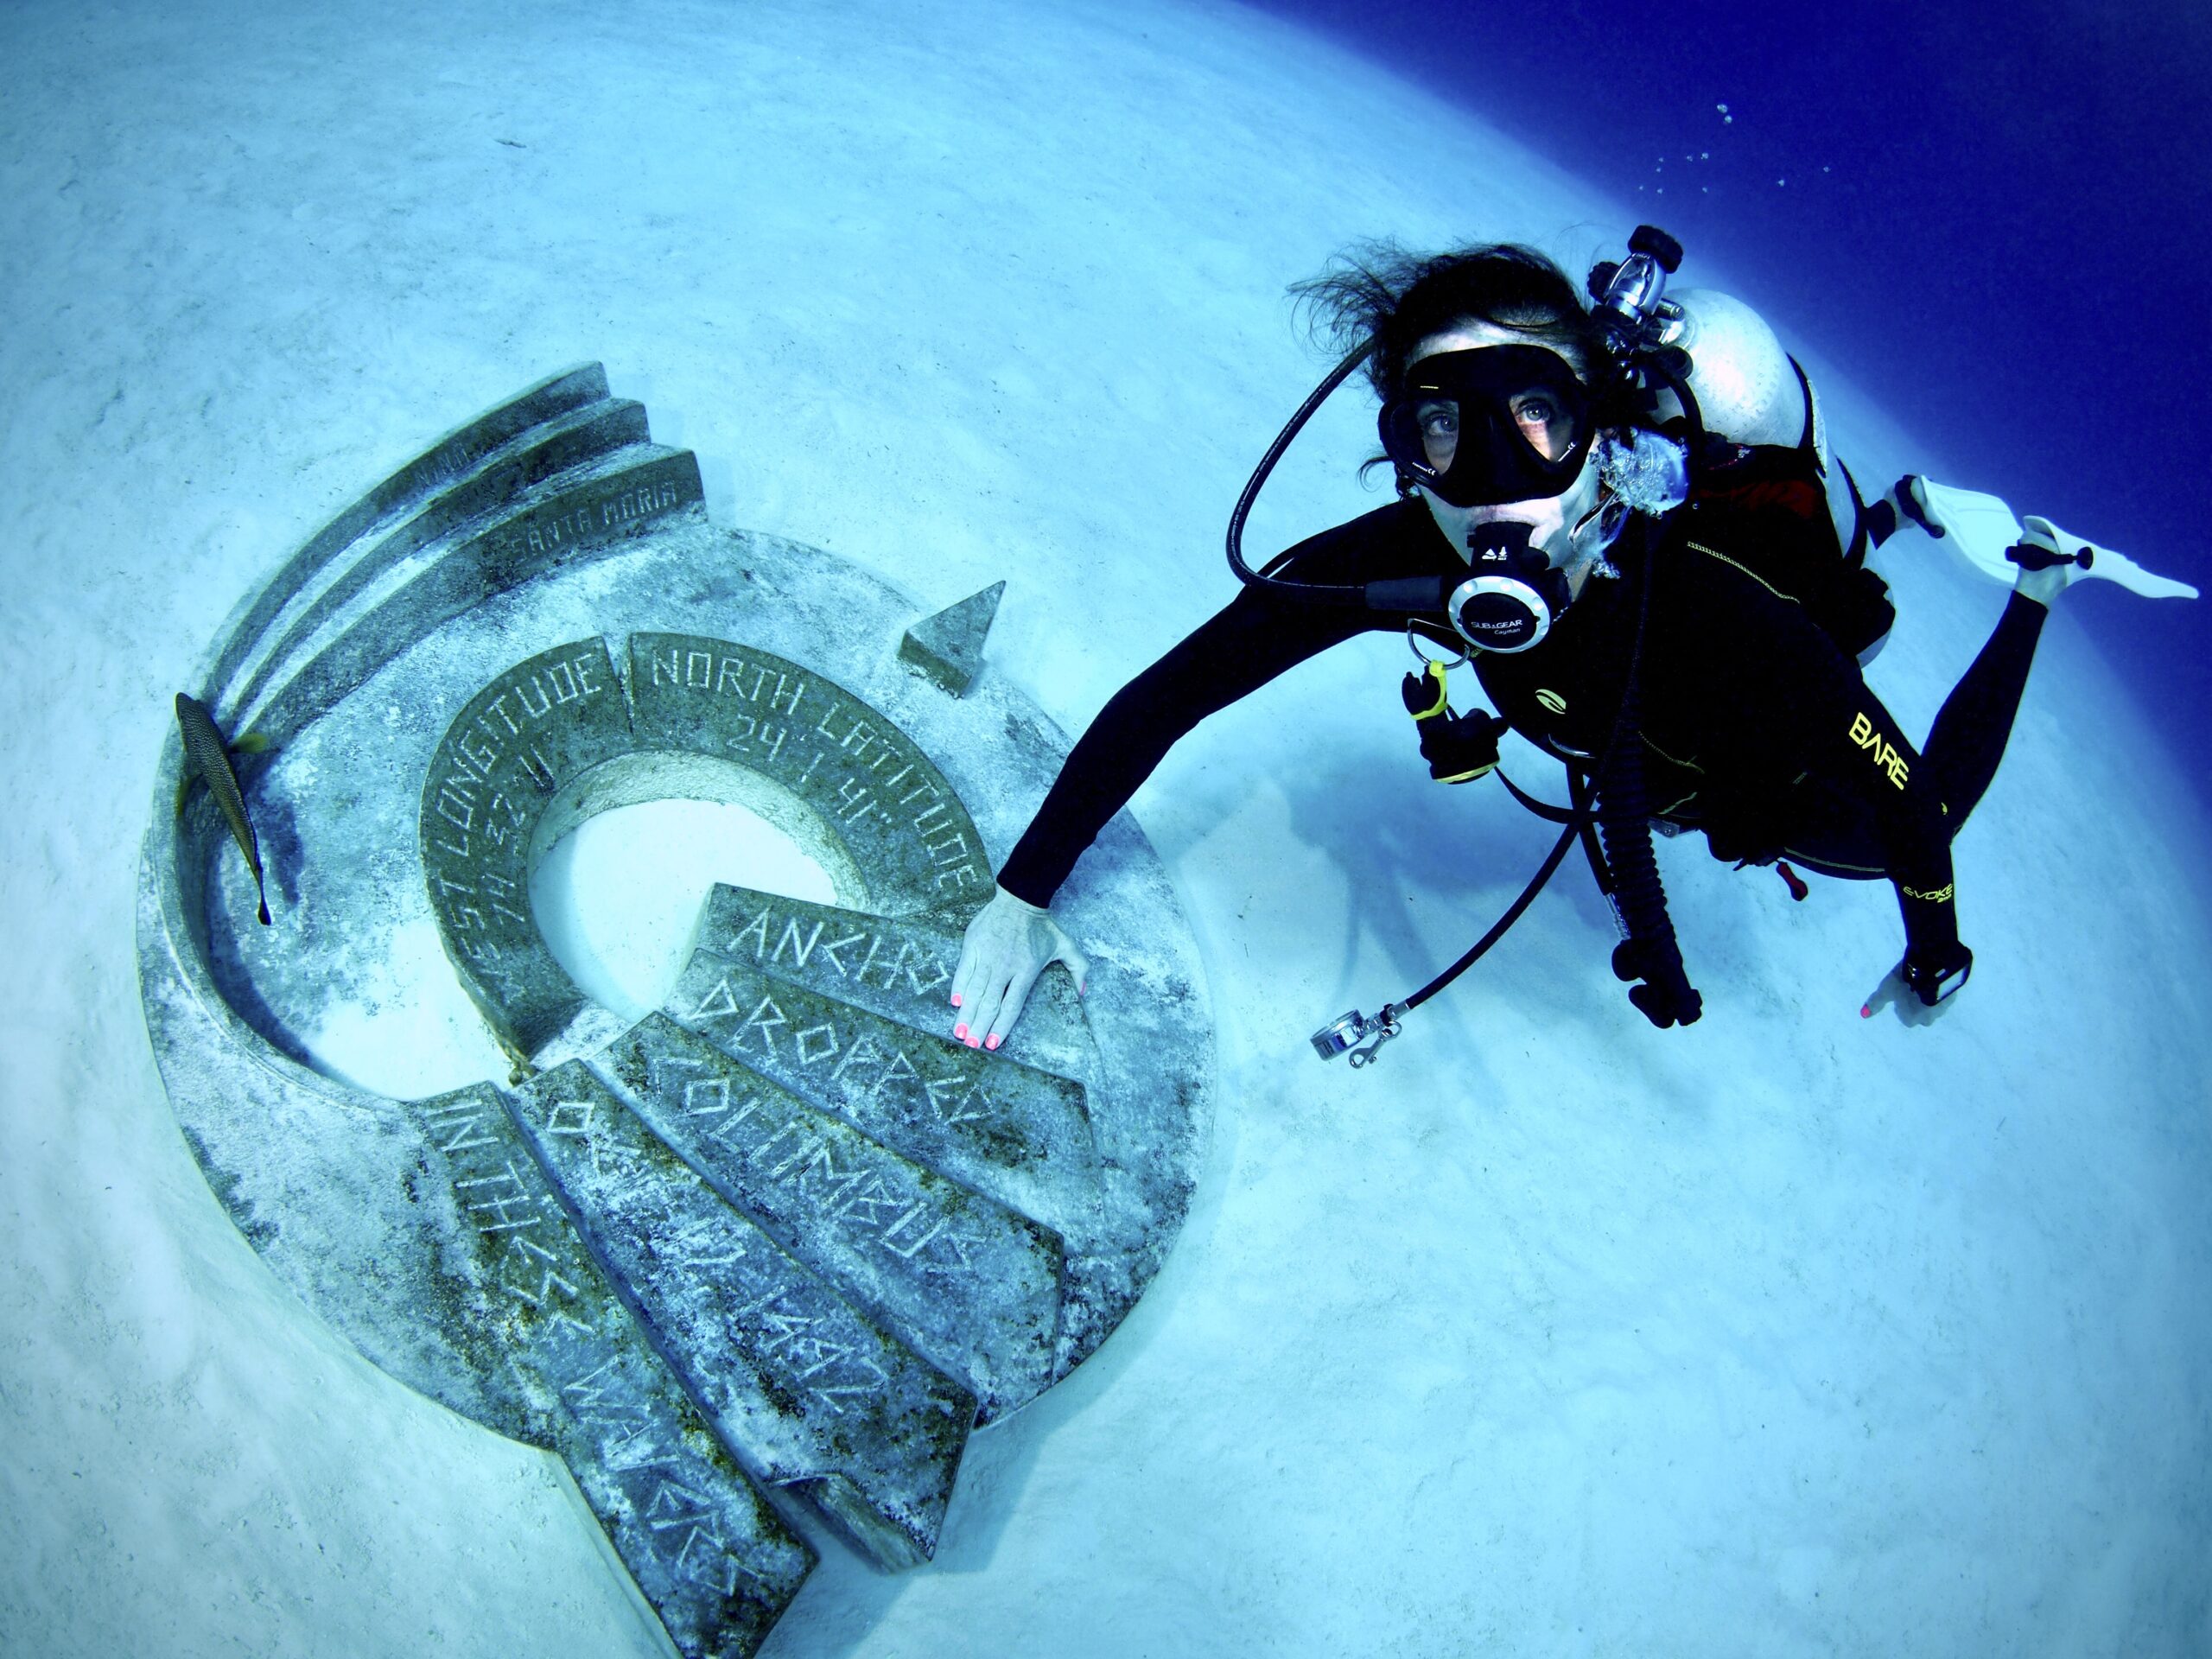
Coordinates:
column 1791, row 1333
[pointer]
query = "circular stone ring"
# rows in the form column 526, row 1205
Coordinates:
column 767, row 1255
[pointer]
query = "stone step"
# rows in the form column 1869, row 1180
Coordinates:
column 971, row 1285
column 453, row 456
column 811, row 1397
column 575, row 517
column 501, row 485
column 1012, row 1133
column 539, row 1314
column 899, row 968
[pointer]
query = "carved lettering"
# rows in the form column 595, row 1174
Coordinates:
column 763, row 1018
column 799, row 952
column 717, row 1003
column 854, row 798
column 757, row 931
column 460, row 1122
column 950, row 1095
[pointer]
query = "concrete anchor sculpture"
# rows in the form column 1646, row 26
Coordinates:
column 755, row 1265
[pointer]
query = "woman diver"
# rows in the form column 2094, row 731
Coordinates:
column 1673, row 614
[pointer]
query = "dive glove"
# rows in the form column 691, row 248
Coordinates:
column 1009, row 942
column 1665, row 997
column 1458, row 747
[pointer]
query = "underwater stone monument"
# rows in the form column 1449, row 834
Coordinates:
column 755, row 1265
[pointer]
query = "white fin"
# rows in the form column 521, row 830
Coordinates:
column 2103, row 561
column 1981, row 529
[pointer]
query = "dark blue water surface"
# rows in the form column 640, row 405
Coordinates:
column 1994, row 215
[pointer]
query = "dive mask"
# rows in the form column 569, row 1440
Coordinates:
column 1497, row 424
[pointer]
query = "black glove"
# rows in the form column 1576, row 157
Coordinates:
column 1935, row 971
column 1665, row 998
column 1458, row 747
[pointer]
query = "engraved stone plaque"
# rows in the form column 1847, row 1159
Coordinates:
column 716, row 1561
column 756, row 1265
column 972, row 1286
column 541, row 725
column 906, row 828
column 1021, row 1136
column 900, row 969
column 814, row 1398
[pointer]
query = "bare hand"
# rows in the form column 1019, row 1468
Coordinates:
column 1009, row 944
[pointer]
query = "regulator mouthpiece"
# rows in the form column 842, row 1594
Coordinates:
column 1512, row 595
column 1349, row 1031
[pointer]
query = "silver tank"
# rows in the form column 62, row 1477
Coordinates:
column 1745, row 387
column 1742, row 376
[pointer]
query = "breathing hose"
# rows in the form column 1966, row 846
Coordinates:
column 1309, row 591
column 1625, row 825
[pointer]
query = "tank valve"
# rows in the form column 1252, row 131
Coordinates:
column 1632, row 309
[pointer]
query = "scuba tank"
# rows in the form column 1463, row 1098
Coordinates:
column 1767, row 467
column 1745, row 383
column 1753, row 392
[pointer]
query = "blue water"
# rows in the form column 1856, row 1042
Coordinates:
column 1994, row 214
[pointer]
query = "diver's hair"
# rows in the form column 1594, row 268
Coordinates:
column 1378, row 290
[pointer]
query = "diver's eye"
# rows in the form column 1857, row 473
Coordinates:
column 1541, row 424
column 1438, row 421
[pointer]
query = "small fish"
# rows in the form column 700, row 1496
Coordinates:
column 206, row 754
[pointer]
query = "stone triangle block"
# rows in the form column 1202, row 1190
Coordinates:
column 948, row 648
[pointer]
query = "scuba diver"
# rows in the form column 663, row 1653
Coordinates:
column 1624, row 515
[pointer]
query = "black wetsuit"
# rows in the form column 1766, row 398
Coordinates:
column 1756, row 727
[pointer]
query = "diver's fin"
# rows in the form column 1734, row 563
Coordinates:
column 1984, row 530
column 2090, row 560
column 1979, row 527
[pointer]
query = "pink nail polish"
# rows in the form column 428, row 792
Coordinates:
column 971, row 1042
column 955, row 999
column 961, row 1031
column 991, row 1041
